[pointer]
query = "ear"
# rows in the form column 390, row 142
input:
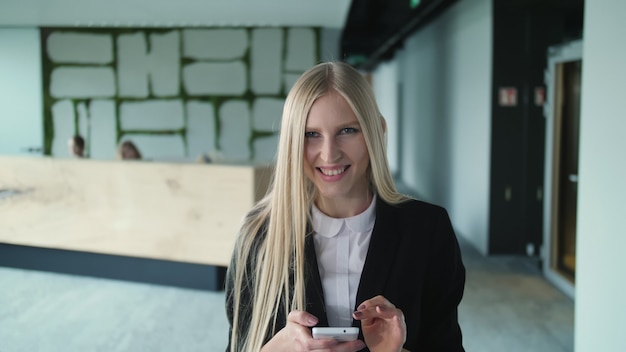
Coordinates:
column 384, row 124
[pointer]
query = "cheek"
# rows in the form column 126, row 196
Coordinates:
column 366, row 157
column 365, row 163
column 362, row 153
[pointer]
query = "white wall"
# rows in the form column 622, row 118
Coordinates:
column 445, row 71
column 600, row 306
column 329, row 44
column 385, row 85
column 150, row 80
column 21, row 124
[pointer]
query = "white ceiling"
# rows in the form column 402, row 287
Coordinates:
column 164, row 13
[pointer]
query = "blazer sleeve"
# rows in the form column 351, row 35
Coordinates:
column 443, row 290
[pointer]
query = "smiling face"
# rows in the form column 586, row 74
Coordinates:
column 336, row 157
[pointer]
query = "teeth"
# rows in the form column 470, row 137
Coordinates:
column 333, row 172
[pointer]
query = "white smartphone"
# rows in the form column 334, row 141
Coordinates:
column 340, row 334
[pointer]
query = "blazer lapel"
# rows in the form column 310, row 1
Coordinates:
column 382, row 250
column 378, row 263
column 314, row 290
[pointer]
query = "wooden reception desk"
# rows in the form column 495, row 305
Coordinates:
column 181, row 212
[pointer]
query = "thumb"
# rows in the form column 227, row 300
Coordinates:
column 302, row 318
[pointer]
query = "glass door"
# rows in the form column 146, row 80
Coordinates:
column 563, row 81
column 568, row 86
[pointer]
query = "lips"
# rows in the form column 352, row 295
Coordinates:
column 333, row 172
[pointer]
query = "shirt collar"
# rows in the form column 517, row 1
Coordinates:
column 330, row 227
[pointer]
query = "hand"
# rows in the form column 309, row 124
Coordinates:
column 296, row 336
column 382, row 325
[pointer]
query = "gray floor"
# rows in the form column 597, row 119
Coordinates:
column 507, row 306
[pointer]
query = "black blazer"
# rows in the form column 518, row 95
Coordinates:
column 414, row 261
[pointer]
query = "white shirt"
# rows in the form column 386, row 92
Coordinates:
column 341, row 247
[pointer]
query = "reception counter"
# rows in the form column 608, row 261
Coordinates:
column 177, row 212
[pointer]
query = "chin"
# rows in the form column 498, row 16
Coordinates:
column 331, row 193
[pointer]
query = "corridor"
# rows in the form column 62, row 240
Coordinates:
column 507, row 306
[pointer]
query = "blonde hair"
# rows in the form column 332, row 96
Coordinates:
column 277, row 274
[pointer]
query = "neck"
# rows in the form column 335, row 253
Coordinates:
column 344, row 207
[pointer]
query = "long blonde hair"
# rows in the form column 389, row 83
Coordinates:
column 283, row 214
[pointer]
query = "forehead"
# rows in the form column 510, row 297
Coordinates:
column 331, row 109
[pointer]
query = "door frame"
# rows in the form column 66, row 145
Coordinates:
column 559, row 54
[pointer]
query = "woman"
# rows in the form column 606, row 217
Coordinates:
column 76, row 146
column 334, row 244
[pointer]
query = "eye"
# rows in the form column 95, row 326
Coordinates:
column 348, row 130
column 311, row 134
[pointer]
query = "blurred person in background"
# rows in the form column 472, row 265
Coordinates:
column 76, row 146
column 127, row 150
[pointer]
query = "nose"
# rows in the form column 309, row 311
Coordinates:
column 330, row 151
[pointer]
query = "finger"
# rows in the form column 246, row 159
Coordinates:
column 381, row 312
column 350, row 346
column 302, row 318
column 375, row 301
column 322, row 344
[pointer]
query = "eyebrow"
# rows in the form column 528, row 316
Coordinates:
column 354, row 123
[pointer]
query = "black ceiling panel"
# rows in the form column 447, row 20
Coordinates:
column 376, row 28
